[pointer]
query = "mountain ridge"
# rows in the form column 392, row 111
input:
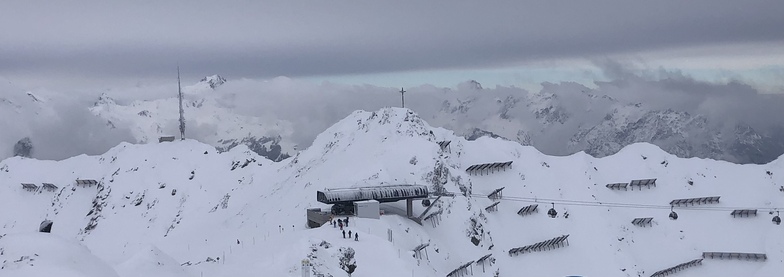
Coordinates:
column 196, row 204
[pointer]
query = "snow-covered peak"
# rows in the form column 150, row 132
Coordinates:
column 206, row 84
column 105, row 100
column 213, row 81
column 469, row 85
column 385, row 124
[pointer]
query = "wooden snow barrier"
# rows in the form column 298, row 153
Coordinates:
column 483, row 259
column 527, row 210
column 677, row 268
column 488, row 168
column 648, row 183
column 541, row 246
column 496, row 194
column 49, row 187
column 695, row 201
column 617, row 186
column 643, row 221
column 462, row 270
column 29, row 187
column 744, row 213
column 735, row 255
column 493, row 207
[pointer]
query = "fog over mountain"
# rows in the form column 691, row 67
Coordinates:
column 687, row 117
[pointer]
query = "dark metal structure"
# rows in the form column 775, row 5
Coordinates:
column 85, row 183
column 617, row 186
column 648, row 183
column 744, row 213
column 643, row 221
column 418, row 251
column 695, row 201
column 462, row 270
column 444, row 145
column 541, row 246
column 734, row 255
column 483, row 259
column 528, row 210
column 493, row 207
column 182, row 111
column 679, row 267
column 488, row 167
column 435, row 218
column 496, row 194
column 49, row 187
column 29, row 187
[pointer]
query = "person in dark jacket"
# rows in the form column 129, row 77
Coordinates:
column 356, row 237
column 349, row 234
column 344, row 234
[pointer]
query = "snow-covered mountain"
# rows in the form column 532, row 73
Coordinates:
column 207, row 118
column 566, row 118
column 235, row 213
column 276, row 118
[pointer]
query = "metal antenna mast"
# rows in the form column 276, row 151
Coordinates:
column 402, row 97
column 182, row 112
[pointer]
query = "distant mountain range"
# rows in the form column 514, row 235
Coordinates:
column 600, row 125
column 560, row 119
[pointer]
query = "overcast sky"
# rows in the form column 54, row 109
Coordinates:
column 116, row 43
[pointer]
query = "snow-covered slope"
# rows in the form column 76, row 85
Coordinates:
column 208, row 119
column 40, row 254
column 237, row 214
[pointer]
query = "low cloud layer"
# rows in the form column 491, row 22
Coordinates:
column 67, row 128
column 59, row 125
column 261, row 39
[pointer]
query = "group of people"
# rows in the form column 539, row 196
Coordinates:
column 341, row 223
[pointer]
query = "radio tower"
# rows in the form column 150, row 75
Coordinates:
column 402, row 97
column 182, row 112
